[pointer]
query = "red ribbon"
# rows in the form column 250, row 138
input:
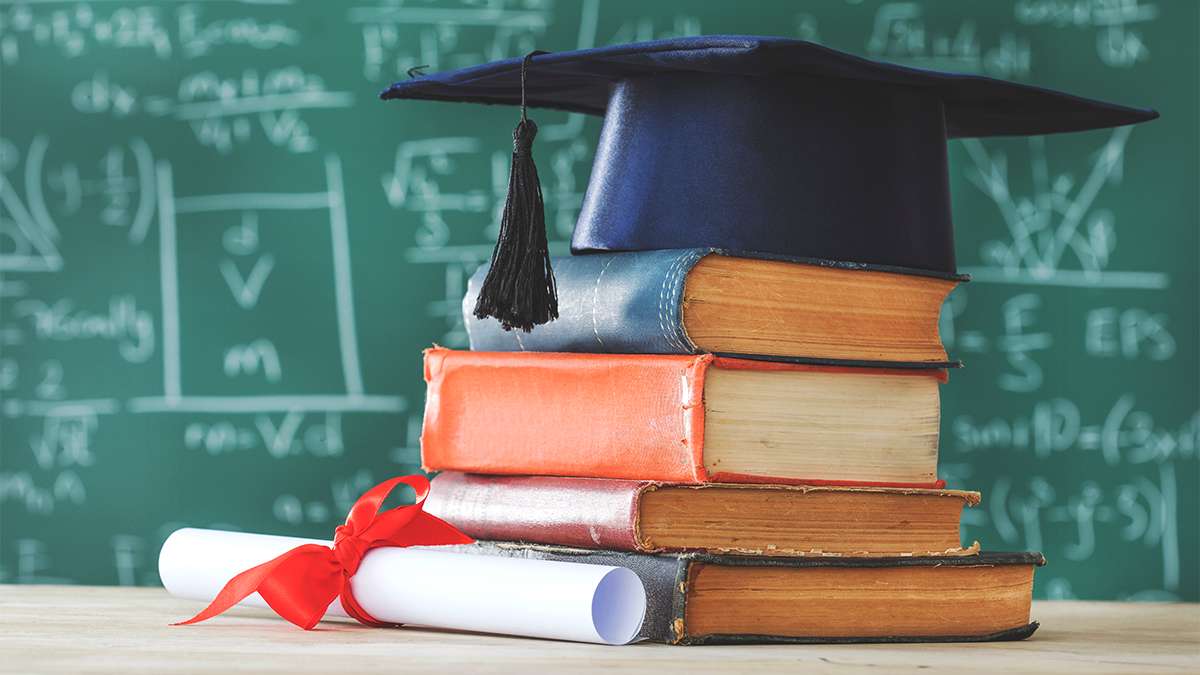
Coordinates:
column 300, row 584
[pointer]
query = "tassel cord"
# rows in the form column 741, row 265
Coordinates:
column 519, row 289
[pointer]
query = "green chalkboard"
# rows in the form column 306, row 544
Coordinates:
column 221, row 256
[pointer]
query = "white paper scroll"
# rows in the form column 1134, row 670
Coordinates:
column 428, row 587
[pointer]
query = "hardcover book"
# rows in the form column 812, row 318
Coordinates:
column 702, row 300
column 695, row 598
column 678, row 419
column 722, row 518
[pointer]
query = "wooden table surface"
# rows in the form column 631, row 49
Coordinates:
column 80, row 629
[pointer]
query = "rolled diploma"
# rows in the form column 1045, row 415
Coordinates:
column 428, row 587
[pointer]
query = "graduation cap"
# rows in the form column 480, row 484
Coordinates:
column 755, row 144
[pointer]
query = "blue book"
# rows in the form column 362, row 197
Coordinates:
column 688, row 301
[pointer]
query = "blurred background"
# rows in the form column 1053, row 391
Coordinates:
column 221, row 256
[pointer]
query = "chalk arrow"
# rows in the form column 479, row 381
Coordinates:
column 247, row 289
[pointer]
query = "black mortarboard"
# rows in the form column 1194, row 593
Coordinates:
column 760, row 144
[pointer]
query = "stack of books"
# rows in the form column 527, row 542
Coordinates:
column 756, row 438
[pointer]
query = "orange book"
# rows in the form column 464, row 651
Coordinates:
column 679, row 419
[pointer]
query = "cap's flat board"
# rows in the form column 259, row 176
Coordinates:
column 580, row 81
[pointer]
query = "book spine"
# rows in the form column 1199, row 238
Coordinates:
column 614, row 303
column 628, row 416
column 660, row 575
column 580, row 512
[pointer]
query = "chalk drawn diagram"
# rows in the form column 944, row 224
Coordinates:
column 174, row 210
column 122, row 191
column 28, row 234
column 62, row 437
column 1054, row 235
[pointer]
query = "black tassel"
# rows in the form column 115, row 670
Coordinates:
column 519, row 289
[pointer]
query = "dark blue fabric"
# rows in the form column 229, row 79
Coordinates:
column 580, row 80
column 847, row 173
column 770, row 145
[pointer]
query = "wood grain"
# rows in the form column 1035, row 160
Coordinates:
column 78, row 629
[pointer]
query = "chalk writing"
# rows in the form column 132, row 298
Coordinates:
column 1119, row 41
column 130, row 328
column 901, row 32
column 75, row 29
column 1129, row 333
column 1125, row 435
column 294, row 433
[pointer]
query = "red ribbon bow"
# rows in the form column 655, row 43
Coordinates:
column 300, row 584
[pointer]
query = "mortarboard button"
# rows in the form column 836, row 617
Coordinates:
column 769, row 145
